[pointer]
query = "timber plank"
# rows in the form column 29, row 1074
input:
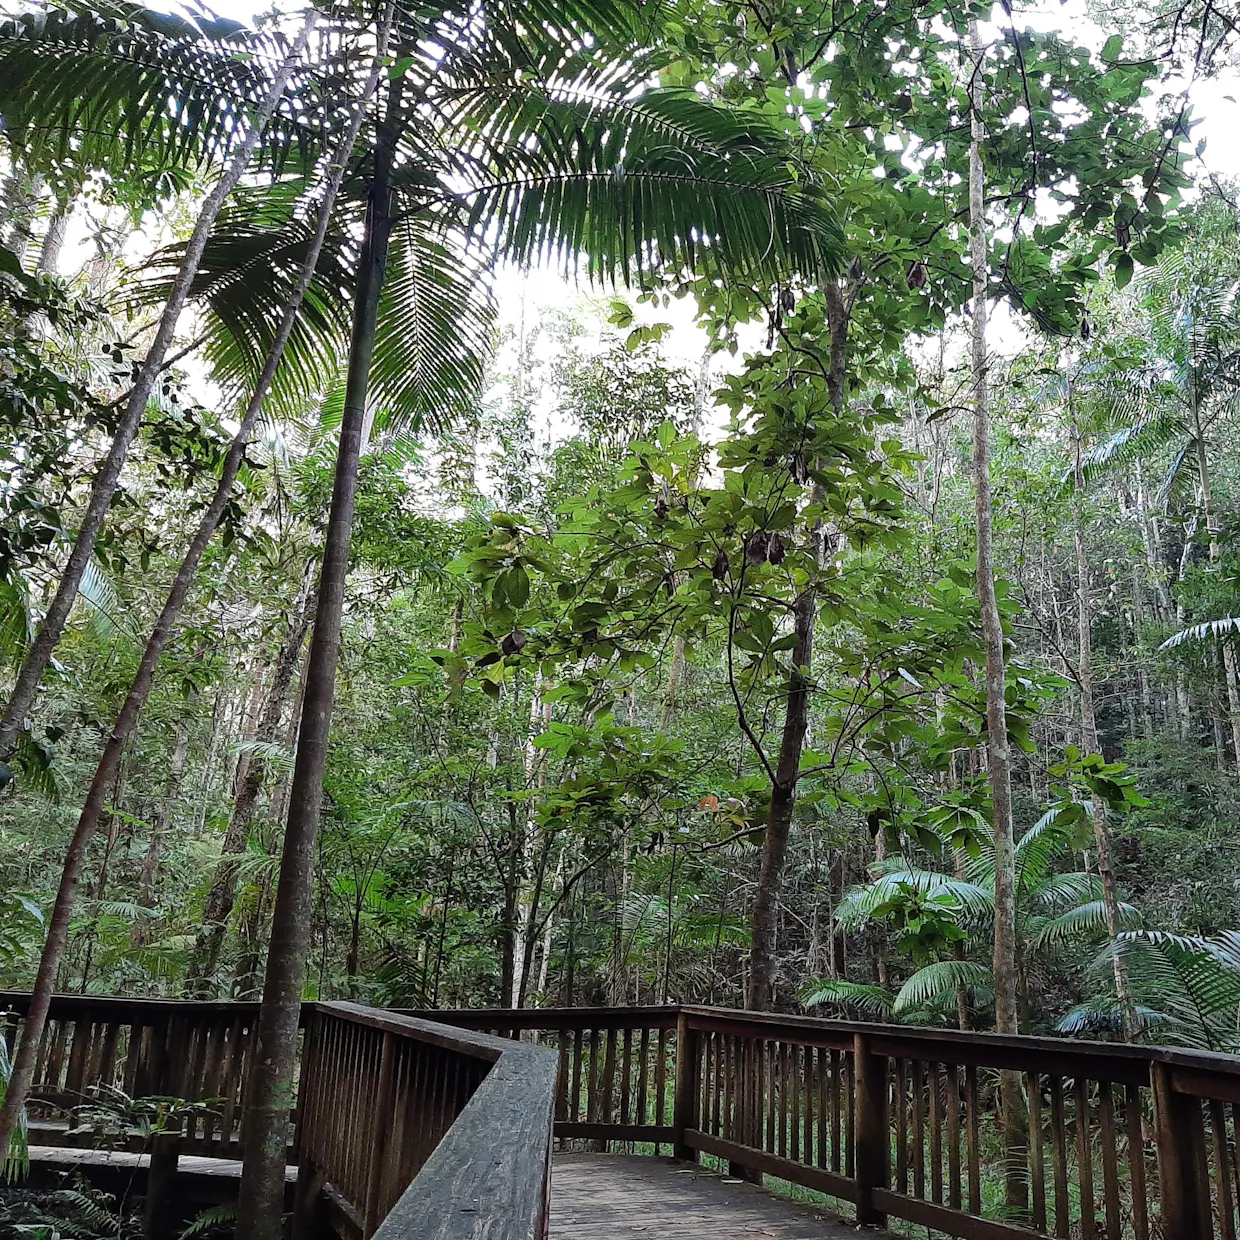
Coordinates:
column 602, row 1196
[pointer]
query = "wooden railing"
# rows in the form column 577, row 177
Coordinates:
column 1120, row 1141
column 439, row 1124
column 145, row 1047
column 433, row 1131
column 403, row 1128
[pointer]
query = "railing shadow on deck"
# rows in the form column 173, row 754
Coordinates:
column 439, row 1124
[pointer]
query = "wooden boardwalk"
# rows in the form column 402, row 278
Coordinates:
column 613, row 1196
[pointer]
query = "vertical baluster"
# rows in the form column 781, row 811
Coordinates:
column 776, row 1103
column 1110, row 1161
column 660, row 1083
column 936, row 1136
column 575, row 1092
column 718, row 1083
column 626, row 1073
column 973, row 1119
column 608, row 1083
column 56, row 1058
column 94, row 1059
column 793, row 1079
column 850, row 1105
column 900, row 1067
column 592, row 1078
column 229, row 1070
column 1222, row 1171
column 1136, row 1163
column 952, row 1098
column 823, row 1068
column 1036, row 1158
column 1084, row 1156
column 107, row 1056
column 74, row 1077
column 44, row 1053
column 561, row 1079
column 835, row 1111
column 919, row 1129
column 1059, row 1138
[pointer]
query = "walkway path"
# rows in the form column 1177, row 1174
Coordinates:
column 614, row 1196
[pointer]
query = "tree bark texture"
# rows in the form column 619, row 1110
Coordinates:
column 999, row 763
column 271, row 1098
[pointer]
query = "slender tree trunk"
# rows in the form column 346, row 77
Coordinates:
column 1089, row 726
column 53, row 241
column 159, row 832
column 997, row 752
column 40, row 650
column 763, row 960
column 271, row 1098
column 205, row 956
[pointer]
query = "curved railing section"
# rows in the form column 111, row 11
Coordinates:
column 403, row 1127
column 439, row 1125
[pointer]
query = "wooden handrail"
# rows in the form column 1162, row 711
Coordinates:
column 398, row 1111
column 420, row 1130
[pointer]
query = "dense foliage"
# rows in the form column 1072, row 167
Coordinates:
column 656, row 681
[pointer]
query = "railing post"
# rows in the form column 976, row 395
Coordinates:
column 872, row 1162
column 379, row 1132
column 1178, row 1132
column 688, row 1081
column 159, row 1210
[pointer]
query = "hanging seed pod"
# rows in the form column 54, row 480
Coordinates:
column 719, row 569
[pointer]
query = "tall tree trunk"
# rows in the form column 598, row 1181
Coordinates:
column 205, row 956
column 40, row 650
column 159, row 832
column 1230, row 672
column 1089, row 725
column 49, row 633
column 261, row 1193
column 998, row 755
column 763, row 960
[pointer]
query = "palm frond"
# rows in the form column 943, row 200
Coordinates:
column 1140, row 439
column 136, row 93
column 869, row 1000
column 860, row 904
column 935, row 985
column 1085, row 921
column 1221, row 628
column 625, row 185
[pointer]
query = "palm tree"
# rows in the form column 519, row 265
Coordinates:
column 535, row 150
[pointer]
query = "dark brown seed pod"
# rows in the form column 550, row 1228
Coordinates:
column 514, row 643
column 719, row 569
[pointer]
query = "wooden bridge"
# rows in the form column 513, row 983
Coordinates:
column 443, row 1125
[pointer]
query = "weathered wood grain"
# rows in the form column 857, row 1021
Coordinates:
column 605, row 1196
